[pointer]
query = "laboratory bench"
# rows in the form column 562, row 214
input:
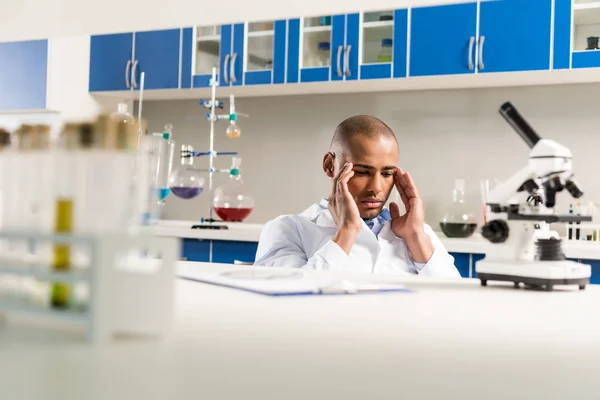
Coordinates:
column 449, row 338
column 240, row 241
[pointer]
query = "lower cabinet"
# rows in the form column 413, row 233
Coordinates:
column 223, row 251
column 227, row 252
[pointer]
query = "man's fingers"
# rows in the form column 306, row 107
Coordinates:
column 336, row 179
column 394, row 210
column 344, row 182
column 404, row 198
column 412, row 188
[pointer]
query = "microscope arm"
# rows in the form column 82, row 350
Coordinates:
column 504, row 194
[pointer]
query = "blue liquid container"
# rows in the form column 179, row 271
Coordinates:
column 163, row 193
column 186, row 192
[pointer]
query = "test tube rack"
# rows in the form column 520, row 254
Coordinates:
column 127, row 295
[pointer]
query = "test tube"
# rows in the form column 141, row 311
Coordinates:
column 24, row 185
column 72, row 138
column 8, row 284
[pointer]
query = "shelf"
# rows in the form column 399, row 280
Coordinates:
column 312, row 29
column 261, row 34
column 43, row 274
column 587, row 16
column 586, row 6
column 68, row 315
column 211, row 38
column 378, row 24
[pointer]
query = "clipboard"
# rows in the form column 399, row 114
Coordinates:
column 284, row 282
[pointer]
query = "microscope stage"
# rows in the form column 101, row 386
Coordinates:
column 535, row 273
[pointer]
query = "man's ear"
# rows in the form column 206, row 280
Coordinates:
column 329, row 164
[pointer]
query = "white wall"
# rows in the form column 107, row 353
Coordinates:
column 39, row 19
column 443, row 135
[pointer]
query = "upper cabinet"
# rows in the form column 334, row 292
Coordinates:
column 347, row 47
column 443, row 40
column 23, row 75
column 117, row 61
column 466, row 42
column 244, row 54
column 492, row 36
column 514, row 35
column 580, row 23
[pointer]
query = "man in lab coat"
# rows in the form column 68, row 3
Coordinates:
column 351, row 229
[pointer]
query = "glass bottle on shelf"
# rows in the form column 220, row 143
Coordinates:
column 458, row 221
column 385, row 55
column 323, row 54
column 122, row 114
column 186, row 182
column 231, row 202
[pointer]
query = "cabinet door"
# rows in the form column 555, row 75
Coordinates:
column 196, row 250
column 338, row 42
column 462, row 263
column 211, row 44
column 310, row 48
column 225, row 55
column 265, row 53
column 441, row 38
column 23, row 75
column 514, row 35
column 228, row 251
column 110, row 62
column 237, row 55
column 157, row 54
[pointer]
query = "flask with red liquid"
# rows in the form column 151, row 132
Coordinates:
column 232, row 202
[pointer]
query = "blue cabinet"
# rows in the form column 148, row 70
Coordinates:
column 265, row 53
column 316, row 52
column 23, row 75
column 443, row 40
column 462, row 262
column 515, row 35
column 111, row 58
column 157, row 55
column 341, row 48
column 115, row 64
column 225, row 252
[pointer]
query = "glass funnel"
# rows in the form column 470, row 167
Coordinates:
column 232, row 202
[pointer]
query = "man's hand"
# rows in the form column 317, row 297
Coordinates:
column 344, row 210
column 411, row 226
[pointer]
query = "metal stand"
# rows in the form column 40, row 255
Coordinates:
column 213, row 117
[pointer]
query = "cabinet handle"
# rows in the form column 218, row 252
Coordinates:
column 232, row 68
column 225, row 73
column 133, row 72
column 127, row 68
column 481, row 43
column 347, row 60
column 339, row 61
column 471, row 43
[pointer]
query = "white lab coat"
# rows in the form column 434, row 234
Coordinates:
column 305, row 241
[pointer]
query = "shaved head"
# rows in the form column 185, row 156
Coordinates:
column 364, row 125
column 371, row 147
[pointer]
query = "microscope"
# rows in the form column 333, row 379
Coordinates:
column 524, row 248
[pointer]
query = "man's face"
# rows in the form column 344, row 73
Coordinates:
column 375, row 160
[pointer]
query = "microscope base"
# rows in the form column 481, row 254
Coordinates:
column 535, row 273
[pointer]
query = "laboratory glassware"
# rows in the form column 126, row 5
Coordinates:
column 186, row 182
column 232, row 202
column 458, row 222
column 385, row 55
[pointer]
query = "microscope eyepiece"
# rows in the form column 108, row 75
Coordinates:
column 573, row 187
column 518, row 123
column 551, row 187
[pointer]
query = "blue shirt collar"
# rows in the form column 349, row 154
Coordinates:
column 383, row 216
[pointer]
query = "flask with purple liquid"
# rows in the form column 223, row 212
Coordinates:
column 186, row 182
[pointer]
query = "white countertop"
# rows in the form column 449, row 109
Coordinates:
column 449, row 339
column 251, row 233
